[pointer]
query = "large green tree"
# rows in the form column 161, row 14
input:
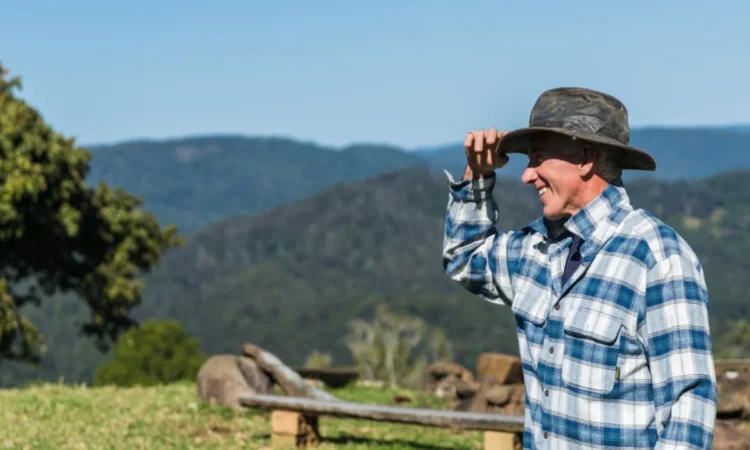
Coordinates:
column 57, row 234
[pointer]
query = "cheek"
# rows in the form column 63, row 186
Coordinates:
column 552, row 174
column 560, row 179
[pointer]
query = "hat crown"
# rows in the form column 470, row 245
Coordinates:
column 583, row 110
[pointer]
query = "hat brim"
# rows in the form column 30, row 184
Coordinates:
column 631, row 158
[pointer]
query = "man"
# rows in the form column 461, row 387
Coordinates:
column 610, row 303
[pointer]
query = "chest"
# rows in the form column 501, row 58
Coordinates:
column 582, row 333
column 610, row 278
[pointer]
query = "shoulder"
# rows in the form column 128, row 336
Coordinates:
column 526, row 244
column 524, row 240
column 664, row 243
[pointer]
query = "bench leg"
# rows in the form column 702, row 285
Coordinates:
column 500, row 440
column 292, row 429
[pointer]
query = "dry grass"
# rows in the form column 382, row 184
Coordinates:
column 170, row 417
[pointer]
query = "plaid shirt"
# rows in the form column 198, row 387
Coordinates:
column 620, row 355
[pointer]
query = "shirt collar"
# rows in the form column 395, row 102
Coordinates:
column 610, row 205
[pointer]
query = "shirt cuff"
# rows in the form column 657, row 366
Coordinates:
column 473, row 190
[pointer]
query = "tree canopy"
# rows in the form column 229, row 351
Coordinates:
column 57, row 234
column 155, row 352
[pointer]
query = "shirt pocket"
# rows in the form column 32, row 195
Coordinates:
column 592, row 354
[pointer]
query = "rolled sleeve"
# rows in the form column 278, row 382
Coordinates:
column 475, row 190
column 474, row 253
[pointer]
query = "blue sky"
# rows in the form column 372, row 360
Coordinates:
column 409, row 73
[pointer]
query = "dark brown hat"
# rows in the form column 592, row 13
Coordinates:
column 581, row 114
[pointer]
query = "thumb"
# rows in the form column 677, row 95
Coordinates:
column 501, row 158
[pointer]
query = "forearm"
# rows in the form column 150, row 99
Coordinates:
column 474, row 252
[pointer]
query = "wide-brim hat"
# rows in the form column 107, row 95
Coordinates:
column 581, row 114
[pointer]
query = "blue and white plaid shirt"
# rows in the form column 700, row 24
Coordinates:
column 620, row 355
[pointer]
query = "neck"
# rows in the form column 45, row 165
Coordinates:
column 589, row 191
column 592, row 189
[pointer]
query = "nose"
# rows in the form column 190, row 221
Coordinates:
column 529, row 175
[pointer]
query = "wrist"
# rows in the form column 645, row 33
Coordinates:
column 471, row 174
column 475, row 188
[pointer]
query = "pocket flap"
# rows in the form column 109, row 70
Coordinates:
column 592, row 324
column 531, row 301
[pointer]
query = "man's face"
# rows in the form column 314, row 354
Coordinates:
column 554, row 171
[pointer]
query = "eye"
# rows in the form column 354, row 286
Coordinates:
column 536, row 156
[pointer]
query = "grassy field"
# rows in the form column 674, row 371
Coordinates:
column 170, row 417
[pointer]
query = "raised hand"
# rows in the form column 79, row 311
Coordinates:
column 481, row 152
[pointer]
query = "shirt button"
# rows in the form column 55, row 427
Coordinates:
column 546, row 435
column 552, row 349
column 557, row 307
column 546, row 393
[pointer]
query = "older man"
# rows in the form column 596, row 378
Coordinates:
column 610, row 303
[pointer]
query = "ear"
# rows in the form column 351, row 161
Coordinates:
column 588, row 159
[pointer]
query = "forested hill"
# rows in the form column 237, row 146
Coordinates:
column 292, row 278
column 195, row 181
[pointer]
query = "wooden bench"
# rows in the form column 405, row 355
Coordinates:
column 294, row 420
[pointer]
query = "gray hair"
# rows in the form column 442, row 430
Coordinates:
column 608, row 165
column 607, row 160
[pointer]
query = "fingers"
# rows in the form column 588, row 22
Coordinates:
column 479, row 141
column 482, row 140
column 481, row 149
column 500, row 158
column 469, row 140
column 491, row 136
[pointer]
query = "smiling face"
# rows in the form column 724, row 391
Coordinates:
column 560, row 169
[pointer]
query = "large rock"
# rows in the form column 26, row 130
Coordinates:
column 440, row 370
column 500, row 368
column 492, row 397
column 454, row 388
column 445, row 379
column 223, row 378
column 499, row 395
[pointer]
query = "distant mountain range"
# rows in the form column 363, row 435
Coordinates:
column 195, row 181
column 740, row 128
